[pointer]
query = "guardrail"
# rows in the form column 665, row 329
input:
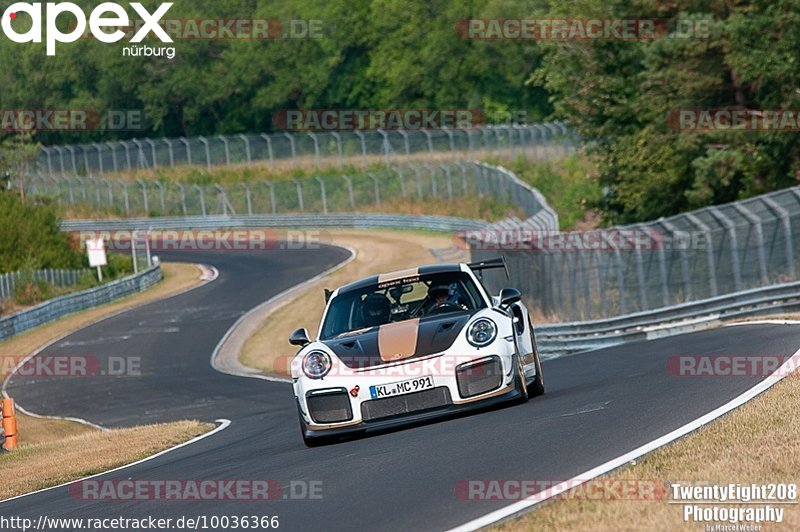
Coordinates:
column 54, row 277
column 565, row 338
column 58, row 307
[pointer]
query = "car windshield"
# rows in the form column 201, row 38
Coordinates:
column 400, row 299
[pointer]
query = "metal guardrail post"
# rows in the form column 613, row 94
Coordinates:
column 406, row 144
column 429, row 139
column 71, row 151
column 99, row 150
column 292, row 147
column 386, row 147
column 299, row 188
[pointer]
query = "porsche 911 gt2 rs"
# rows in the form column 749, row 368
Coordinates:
column 410, row 345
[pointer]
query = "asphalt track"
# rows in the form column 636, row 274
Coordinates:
column 598, row 406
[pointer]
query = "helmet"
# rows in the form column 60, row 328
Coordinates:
column 375, row 310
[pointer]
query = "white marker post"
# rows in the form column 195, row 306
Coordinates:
column 96, row 249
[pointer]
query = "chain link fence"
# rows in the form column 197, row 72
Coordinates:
column 689, row 257
column 539, row 141
column 55, row 277
column 328, row 194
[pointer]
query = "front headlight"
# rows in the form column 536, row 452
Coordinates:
column 316, row 364
column 482, row 332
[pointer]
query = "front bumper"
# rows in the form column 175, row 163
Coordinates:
column 507, row 393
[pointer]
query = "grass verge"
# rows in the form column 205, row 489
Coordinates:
column 53, row 451
column 758, row 443
column 378, row 251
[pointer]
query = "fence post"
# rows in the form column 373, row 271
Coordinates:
column 113, row 155
column 127, row 199
column 171, row 152
column 350, row 191
column 49, row 160
column 377, row 189
column 99, row 150
column 272, row 197
column 449, row 181
column 731, row 229
column 202, row 194
column 246, row 148
column 687, row 282
column 293, row 147
column 183, row 197
column 188, row 147
column 204, row 141
column 127, row 154
column 160, row 186
column 429, row 139
column 755, row 221
column 71, row 151
column 406, row 145
column 227, row 149
column 322, row 192
column 144, row 197
column 402, row 181
column 783, row 214
column 61, row 160
column 712, row 263
column 248, row 199
column 316, row 148
column 153, row 151
column 386, row 146
column 269, row 147
column 363, row 147
column 339, row 150
column 299, row 194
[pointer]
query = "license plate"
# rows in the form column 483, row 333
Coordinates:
column 401, row 388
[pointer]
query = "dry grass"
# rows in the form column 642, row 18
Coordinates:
column 378, row 251
column 758, row 443
column 56, row 460
column 284, row 169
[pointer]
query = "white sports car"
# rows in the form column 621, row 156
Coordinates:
column 411, row 345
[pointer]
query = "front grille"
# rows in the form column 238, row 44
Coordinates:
column 329, row 406
column 481, row 377
column 405, row 404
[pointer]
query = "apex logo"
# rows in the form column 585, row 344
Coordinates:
column 106, row 15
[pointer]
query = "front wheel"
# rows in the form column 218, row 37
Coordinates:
column 519, row 382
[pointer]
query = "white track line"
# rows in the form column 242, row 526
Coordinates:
column 277, row 300
column 521, row 506
column 223, row 424
column 762, row 322
column 203, row 269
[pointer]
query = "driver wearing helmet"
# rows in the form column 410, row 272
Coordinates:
column 376, row 309
column 439, row 296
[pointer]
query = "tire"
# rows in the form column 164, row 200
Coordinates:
column 537, row 386
column 519, row 383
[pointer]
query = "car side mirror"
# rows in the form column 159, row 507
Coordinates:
column 509, row 296
column 299, row 338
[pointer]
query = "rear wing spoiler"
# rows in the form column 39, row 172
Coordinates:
column 490, row 264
